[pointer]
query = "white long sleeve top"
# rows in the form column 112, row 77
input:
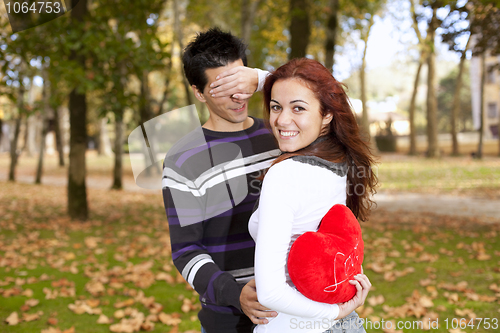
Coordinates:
column 294, row 198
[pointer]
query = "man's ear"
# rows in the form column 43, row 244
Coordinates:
column 199, row 96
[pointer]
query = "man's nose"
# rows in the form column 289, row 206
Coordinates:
column 237, row 100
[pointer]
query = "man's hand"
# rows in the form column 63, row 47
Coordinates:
column 239, row 82
column 251, row 306
column 363, row 286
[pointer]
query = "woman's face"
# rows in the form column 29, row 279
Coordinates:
column 295, row 116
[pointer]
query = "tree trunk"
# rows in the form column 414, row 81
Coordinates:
column 33, row 126
column 13, row 145
column 168, row 76
column 413, row 134
column 432, row 129
column 481, row 112
column 59, row 141
column 424, row 53
column 248, row 10
column 146, row 114
column 26, row 131
column 13, row 150
column 104, row 147
column 456, row 103
column 145, row 108
column 246, row 20
column 77, row 190
column 178, row 37
column 39, row 169
column 41, row 152
column 300, row 30
column 331, row 34
column 118, row 169
column 30, row 135
column 365, row 122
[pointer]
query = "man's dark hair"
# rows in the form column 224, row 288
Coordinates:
column 211, row 49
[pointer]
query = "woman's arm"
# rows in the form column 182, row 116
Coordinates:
column 239, row 82
column 281, row 198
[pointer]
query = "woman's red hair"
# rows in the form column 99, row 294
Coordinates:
column 344, row 142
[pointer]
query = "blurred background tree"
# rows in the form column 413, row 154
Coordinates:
column 111, row 65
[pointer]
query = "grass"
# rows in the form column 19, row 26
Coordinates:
column 448, row 175
column 130, row 229
column 444, row 252
column 410, row 258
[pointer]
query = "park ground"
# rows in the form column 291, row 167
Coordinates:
column 435, row 270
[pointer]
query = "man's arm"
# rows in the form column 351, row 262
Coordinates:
column 240, row 82
column 185, row 215
column 251, row 307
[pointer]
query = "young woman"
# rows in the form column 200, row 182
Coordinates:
column 324, row 161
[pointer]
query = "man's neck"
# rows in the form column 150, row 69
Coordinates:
column 222, row 125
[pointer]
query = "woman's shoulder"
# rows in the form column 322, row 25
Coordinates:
column 340, row 169
column 296, row 170
column 307, row 164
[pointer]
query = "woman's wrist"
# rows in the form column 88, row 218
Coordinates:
column 336, row 311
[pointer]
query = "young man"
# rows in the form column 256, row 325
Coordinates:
column 210, row 186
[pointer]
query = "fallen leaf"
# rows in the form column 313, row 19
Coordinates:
column 426, row 302
column 95, row 288
column 93, row 302
column 103, row 319
column 376, row 300
column 32, row 302
column 27, row 293
column 52, row 321
column 494, row 287
column 12, row 319
column 125, row 303
column 69, row 330
column 186, row 305
column 119, row 314
column 148, row 326
column 456, row 330
column 31, row 316
column 168, row 319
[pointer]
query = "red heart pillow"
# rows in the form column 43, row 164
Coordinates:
column 321, row 263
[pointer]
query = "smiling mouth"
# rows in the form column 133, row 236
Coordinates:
column 288, row 134
column 239, row 109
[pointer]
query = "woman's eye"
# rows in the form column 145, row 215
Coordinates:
column 298, row 108
column 275, row 107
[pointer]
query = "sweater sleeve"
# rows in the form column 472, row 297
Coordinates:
column 262, row 78
column 185, row 214
column 279, row 202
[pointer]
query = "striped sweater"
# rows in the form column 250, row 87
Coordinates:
column 210, row 187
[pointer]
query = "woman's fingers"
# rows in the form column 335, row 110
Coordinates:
column 237, row 80
column 241, row 97
column 365, row 282
column 363, row 285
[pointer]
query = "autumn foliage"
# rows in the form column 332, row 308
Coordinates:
column 114, row 273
